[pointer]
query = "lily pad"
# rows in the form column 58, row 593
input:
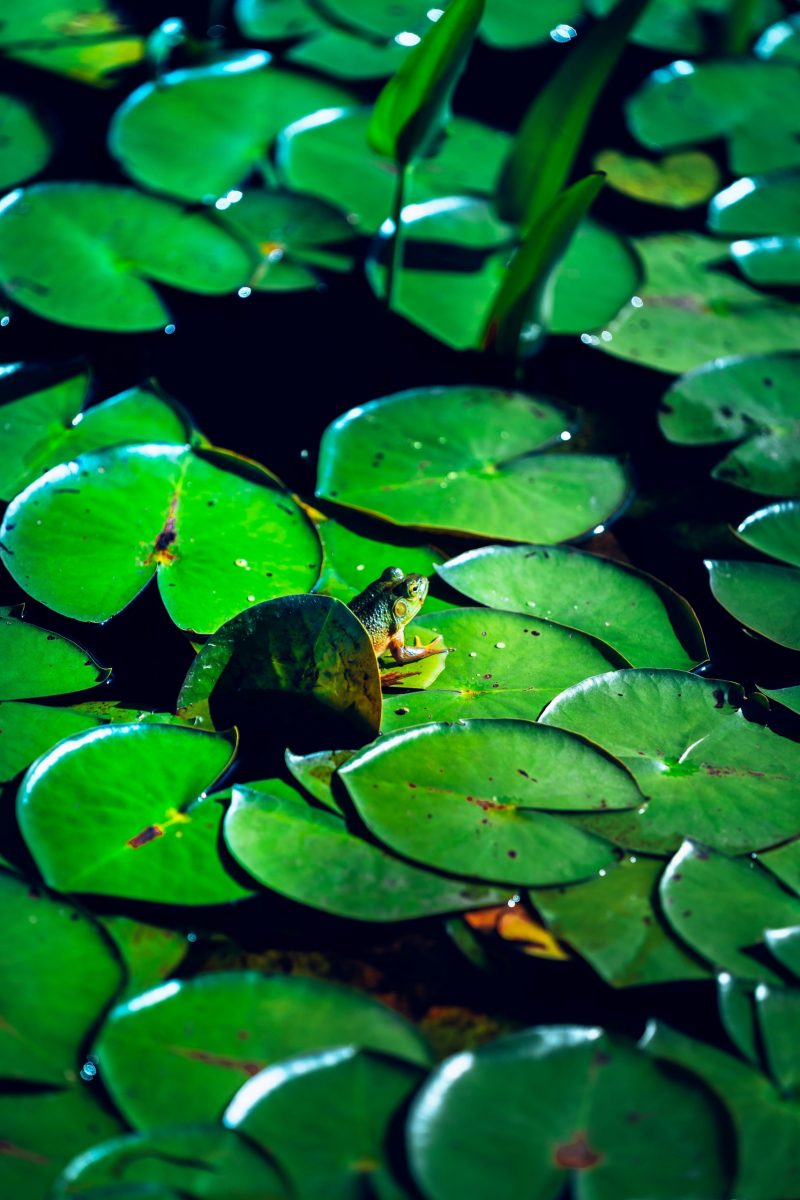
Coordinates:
column 751, row 401
column 197, row 133
column 582, row 1101
column 503, row 665
column 676, row 181
column 642, row 619
column 307, row 648
column 149, row 952
column 788, row 696
column 327, row 155
column 269, row 19
column 764, row 597
column 315, row 773
column 38, row 663
column 219, row 532
column 337, row 52
column 688, row 311
column 709, row 773
column 750, row 104
column 82, row 39
column 25, row 144
column 780, row 41
column 767, row 204
column 119, row 811
column 49, row 948
column 774, row 530
column 784, row 944
column 778, row 1016
column 311, row 856
column 28, row 730
column 683, row 26
column 736, row 1002
column 615, row 923
column 469, row 798
column 462, row 459
column 512, row 24
column 83, row 254
column 784, row 863
column 188, row 1046
column 768, row 261
column 45, row 423
column 700, row 885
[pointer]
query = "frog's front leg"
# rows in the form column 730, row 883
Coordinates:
column 401, row 653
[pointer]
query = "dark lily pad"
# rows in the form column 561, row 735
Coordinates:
column 83, row 254
column 37, row 663
column 775, row 530
column 778, row 1011
column 709, row 773
column 615, row 923
column 49, row 949
column 26, row 145
column 765, row 204
column 642, row 619
column 469, row 798
column 788, row 696
column 308, row 649
column 149, row 952
column 312, row 857
column 326, row 1117
column 768, row 261
column 675, row 181
column 120, row 811
column 219, row 532
column 503, row 665
column 462, row 459
column 751, row 401
column 188, row 1046
column 197, row 133
column 700, row 887
column 764, row 597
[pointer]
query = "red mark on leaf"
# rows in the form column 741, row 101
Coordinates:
column 147, row 835
column 248, row 1067
column 13, row 1151
column 577, row 1155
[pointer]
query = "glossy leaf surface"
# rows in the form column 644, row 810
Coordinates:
column 778, row 1015
column 763, row 596
column 28, row 730
column 775, row 531
column 768, row 261
column 36, row 663
column 765, row 204
column 675, row 181
column 26, row 145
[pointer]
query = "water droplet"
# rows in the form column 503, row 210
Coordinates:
column 88, row 1071
column 601, row 871
column 5, row 321
column 473, row 654
column 441, row 440
column 406, row 38
column 563, row 33
column 599, row 529
column 530, row 603
column 417, row 445
column 304, row 454
column 499, row 645
column 191, row 937
column 433, row 14
column 244, row 292
column 452, row 474
column 565, row 435
column 637, row 301
column 169, row 328
column 632, row 858
column 360, row 567
column 606, row 336
column 251, row 599
column 242, row 562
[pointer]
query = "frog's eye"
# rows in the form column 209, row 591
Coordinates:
column 400, row 608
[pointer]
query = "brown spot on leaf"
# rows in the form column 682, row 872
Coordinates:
column 12, row 1151
column 226, row 1062
column 577, row 1154
column 147, row 835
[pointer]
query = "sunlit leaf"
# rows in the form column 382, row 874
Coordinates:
column 765, row 204
column 780, row 41
column 784, row 944
column 763, row 596
column 315, row 773
column 339, row 53
column 25, row 144
column 775, row 530
column 36, row 663
column 768, row 261
column 82, row 39
column 676, row 181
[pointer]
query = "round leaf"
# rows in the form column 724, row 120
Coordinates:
column 764, row 597
column 275, row 18
column 335, row 52
column 25, row 144
column 187, row 1047
column 775, row 530
column 767, row 204
column 28, row 730
column 37, row 663
column 676, row 181
column 149, row 952
column 511, row 24
column 769, row 261
column 315, row 773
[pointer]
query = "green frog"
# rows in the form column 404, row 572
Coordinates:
column 385, row 607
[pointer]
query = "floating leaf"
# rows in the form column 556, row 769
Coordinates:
column 784, row 944
column 764, row 597
column 775, row 530
column 310, row 649
column 511, row 24
column 119, row 811
column 682, row 25
column 83, row 254
column 275, row 18
column 310, row 856
column 44, row 422
column 640, row 617
column 336, row 52
column 315, row 773
column 219, row 532
column 709, row 773
column 49, row 949
column 767, row 204
column 750, row 104
column 28, row 730
column 736, row 1002
column 752, row 401
column 699, row 886
column 688, row 312
column 464, row 798
column 781, row 41
column 38, row 663
column 82, row 39
column 462, row 459
column 197, row 133
column 676, row 181
column 615, row 923
column 788, row 696
column 25, row 147
column 503, row 665
column 149, row 952
column 784, row 863
column 769, row 261
column 203, row 1038
column 778, row 1015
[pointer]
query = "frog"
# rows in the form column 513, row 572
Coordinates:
column 385, row 608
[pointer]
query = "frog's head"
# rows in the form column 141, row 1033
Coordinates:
column 407, row 593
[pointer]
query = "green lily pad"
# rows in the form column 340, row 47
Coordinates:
column 462, row 459
column 269, row 19
column 337, row 52
column 42, row 1131
column 197, row 133
column 189, row 1160
column 38, row 663
column 149, row 952
column 615, row 923
column 736, row 1003
column 642, row 619
column 464, row 798
column 774, row 530
column 700, row 887
column 784, row 863
column 315, row 773
column 766, row 1127
column 45, row 423
column 676, row 181
column 305, row 648
column 682, row 26
column 750, row 104
column 689, row 312
column 512, row 24
column 503, row 665
column 768, row 261
column 767, row 204
column 784, row 944
column 219, row 532
column 780, row 41
column 49, row 949
column 583, row 1102
column 188, row 1046
column 83, row 254
column 381, row 19
column 709, row 773
column 751, row 401
column 28, row 730
column 778, row 1016
column 764, row 597
column 25, row 144
column 325, row 1117
column 788, row 696
column 119, row 811
column 310, row 856
column 82, row 39
column 327, row 155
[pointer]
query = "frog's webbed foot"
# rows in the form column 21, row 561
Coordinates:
column 431, row 647
column 390, row 679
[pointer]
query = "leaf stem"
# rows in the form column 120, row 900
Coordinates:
column 396, row 259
